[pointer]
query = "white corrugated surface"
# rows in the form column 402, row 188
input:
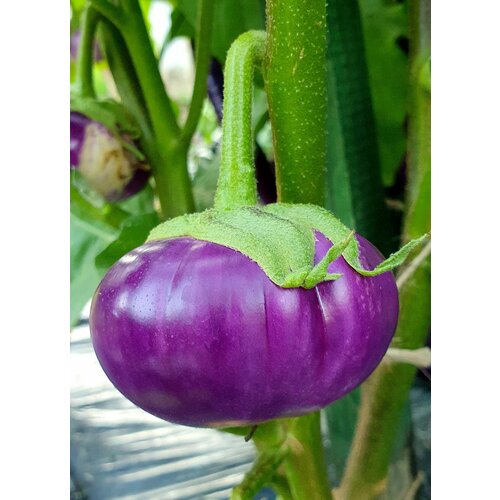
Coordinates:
column 121, row 452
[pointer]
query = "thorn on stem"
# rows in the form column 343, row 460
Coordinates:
column 251, row 433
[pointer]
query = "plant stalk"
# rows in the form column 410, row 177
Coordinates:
column 295, row 80
column 305, row 465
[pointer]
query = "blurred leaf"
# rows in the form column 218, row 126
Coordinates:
column 133, row 233
column 180, row 25
column 205, row 180
column 208, row 124
column 354, row 190
column 385, row 28
column 84, row 277
column 91, row 212
column 231, row 18
column 341, row 417
column 259, row 110
column 95, row 226
column 140, row 203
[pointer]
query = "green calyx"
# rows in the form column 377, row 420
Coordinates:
column 280, row 238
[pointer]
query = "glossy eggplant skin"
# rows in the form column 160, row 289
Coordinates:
column 196, row 333
column 111, row 170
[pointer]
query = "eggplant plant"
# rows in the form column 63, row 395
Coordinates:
column 254, row 317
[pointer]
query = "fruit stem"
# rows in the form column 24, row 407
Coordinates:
column 237, row 185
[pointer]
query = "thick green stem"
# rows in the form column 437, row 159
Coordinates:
column 203, row 45
column 237, row 185
column 295, row 79
column 386, row 391
column 129, row 20
column 295, row 76
column 84, row 80
column 305, row 465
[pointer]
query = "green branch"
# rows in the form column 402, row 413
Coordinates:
column 125, row 78
column 295, row 79
column 262, row 472
column 203, row 45
column 84, row 80
column 305, row 466
column 128, row 86
column 130, row 22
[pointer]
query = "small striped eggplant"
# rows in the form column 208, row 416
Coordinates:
column 108, row 167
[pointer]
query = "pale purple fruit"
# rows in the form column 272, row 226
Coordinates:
column 196, row 333
column 108, row 167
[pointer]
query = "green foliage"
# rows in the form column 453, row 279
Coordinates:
column 244, row 15
column 84, row 277
column 133, row 233
column 205, row 181
column 100, row 234
column 385, row 29
column 355, row 191
column 341, row 419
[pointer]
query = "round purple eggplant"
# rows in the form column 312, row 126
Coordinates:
column 197, row 334
column 108, row 167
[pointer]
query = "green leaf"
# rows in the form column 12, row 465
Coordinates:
column 341, row 417
column 99, row 229
column 205, row 181
column 384, row 23
column 133, row 233
column 140, row 203
column 93, row 225
column 354, row 192
column 231, row 18
column 84, row 277
column 92, row 212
